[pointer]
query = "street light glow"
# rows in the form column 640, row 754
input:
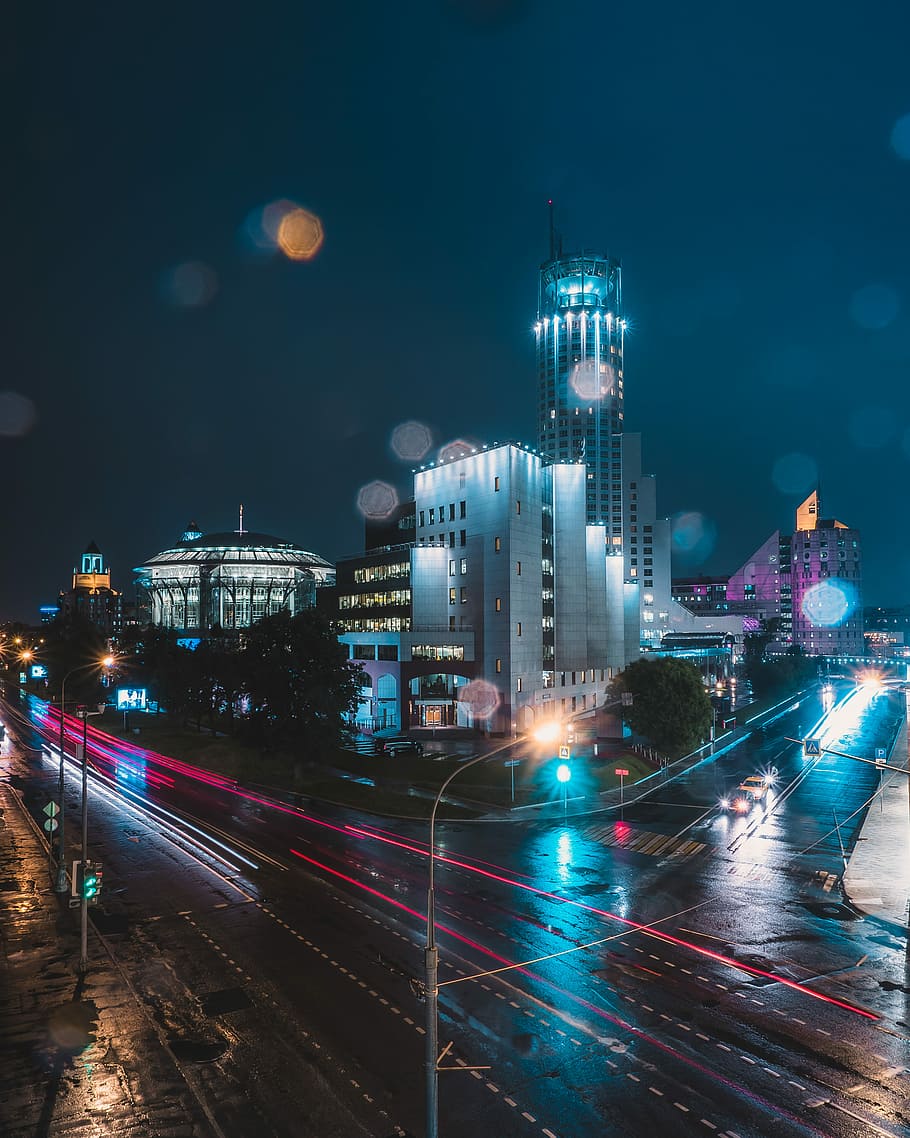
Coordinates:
column 563, row 772
column 548, row 732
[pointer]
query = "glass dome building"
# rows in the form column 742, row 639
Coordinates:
column 228, row 579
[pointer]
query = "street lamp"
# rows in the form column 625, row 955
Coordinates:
column 60, row 887
column 545, row 733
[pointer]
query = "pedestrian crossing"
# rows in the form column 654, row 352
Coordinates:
column 622, row 835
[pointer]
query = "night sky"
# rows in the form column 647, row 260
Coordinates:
column 750, row 166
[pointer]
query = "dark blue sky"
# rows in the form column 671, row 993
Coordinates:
column 749, row 166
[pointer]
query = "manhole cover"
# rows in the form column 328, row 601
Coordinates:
column 227, row 1000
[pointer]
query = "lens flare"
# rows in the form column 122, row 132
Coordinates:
column 871, row 427
column 17, row 414
column 377, row 500
column 593, row 381
column 457, row 448
column 874, row 306
column 794, row 473
column 828, row 603
column 410, row 441
column 481, row 699
column 191, row 285
column 900, row 138
column 693, row 535
column 300, row 234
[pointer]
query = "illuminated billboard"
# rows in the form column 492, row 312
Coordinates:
column 131, row 699
column 38, row 671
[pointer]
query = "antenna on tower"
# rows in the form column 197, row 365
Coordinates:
column 241, row 518
column 552, row 231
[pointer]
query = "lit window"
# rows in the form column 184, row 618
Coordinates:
column 518, row 568
column 451, row 596
column 464, row 595
column 497, row 544
column 451, row 568
column 518, row 629
column 464, row 564
column 498, row 664
column 518, row 686
column 499, row 604
column 496, row 483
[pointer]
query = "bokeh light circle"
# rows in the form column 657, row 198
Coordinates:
column 17, row 414
column 457, row 448
column 828, row 603
column 900, row 137
column 410, row 441
column 871, row 427
column 874, row 306
column 480, row 698
column 693, row 535
column 377, row 500
column 300, row 234
column 592, row 380
column 794, row 473
column 191, row 285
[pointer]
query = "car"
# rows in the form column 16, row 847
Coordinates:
column 752, row 789
column 400, row 746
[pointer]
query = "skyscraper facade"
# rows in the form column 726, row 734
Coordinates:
column 580, row 331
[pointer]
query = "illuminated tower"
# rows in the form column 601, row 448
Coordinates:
column 580, row 330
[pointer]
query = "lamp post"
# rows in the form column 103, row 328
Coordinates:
column 547, row 733
column 60, row 887
column 83, row 714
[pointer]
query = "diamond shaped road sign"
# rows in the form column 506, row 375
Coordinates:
column 52, row 810
column 813, row 746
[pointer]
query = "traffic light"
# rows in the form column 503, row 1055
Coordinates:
column 91, row 882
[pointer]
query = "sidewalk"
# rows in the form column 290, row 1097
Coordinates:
column 78, row 1055
column 877, row 879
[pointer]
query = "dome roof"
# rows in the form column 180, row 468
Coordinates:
column 243, row 547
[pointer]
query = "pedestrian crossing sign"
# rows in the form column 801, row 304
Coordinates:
column 564, row 753
column 813, row 746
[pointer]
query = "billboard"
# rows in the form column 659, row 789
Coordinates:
column 131, row 699
column 38, row 671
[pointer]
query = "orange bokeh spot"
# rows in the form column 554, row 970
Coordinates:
column 300, row 234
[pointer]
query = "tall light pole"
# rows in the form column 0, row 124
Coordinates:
column 546, row 733
column 84, row 713
column 60, row 887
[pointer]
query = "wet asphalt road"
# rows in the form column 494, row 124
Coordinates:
column 309, row 960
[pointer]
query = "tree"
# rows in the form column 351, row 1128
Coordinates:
column 298, row 683
column 669, row 703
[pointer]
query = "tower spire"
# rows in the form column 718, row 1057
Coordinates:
column 241, row 518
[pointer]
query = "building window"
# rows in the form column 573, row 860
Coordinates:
column 451, row 624
column 364, row 652
column 462, row 507
column 497, row 544
column 464, row 595
column 518, row 568
column 451, row 511
column 387, row 651
column 463, row 537
column 517, row 505
column 451, row 539
column 496, row 484
column 464, row 564
column 518, row 629
column 461, row 483
column 518, row 684
column 451, row 596
column 499, row 604
column 451, row 568
column 422, row 522
column 498, row 664
column 432, row 515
